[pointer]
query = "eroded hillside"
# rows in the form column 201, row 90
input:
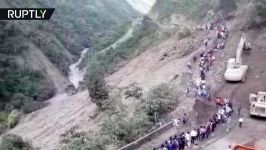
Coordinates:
column 146, row 75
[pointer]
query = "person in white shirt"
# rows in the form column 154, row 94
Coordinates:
column 219, row 117
column 193, row 135
column 188, row 139
column 228, row 110
column 228, row 123
column 240, row 120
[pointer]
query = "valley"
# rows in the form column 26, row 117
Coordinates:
column 133, row 60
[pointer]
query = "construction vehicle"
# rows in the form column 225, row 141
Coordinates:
column 258, row 104
column 71, row 90
column 236, row 71
column 240, row 147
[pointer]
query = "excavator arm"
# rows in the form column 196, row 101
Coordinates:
column 240, row 50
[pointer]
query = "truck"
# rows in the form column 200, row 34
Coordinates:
column 240, row 147
column 235, row 70
column 258, row 104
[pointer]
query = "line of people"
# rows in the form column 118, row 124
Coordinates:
column 207, row 57
column 191, row 138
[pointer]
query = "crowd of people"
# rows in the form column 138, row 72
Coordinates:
column 207, row 57
column 191, row 138
column 223, row 115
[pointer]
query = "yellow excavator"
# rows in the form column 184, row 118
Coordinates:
column 236, row 71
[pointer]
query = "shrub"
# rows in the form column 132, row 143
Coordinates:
column 2, row 129
column 13, row 118
column 3, row 117
column 14, row 142
column 126, row 130
column 184, row 33
column 31, row 106
column 134, row 92
column 227, row 6
column 261, row 9
column 160, row 100
column 24, row 103
column 90, row 140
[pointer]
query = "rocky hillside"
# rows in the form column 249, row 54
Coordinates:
column 36, row 55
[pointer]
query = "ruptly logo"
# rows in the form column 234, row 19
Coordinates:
column 26, row 13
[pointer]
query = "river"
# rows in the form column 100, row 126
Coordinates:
column 75, row 74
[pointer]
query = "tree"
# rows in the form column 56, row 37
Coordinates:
column 160, row 100
column 14, row 142
column 96, row 85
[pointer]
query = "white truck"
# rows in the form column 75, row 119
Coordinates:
column 258, row 104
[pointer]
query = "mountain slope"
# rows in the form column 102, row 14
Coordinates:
column 36, row 55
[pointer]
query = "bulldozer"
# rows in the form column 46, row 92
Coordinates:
column 71, row 90
column 235, row 70
column 258, row 104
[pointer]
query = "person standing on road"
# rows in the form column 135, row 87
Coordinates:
column 229, row 147
column 228, row 123
column 240, row 120
column 188, row 139
column 193, row 135
column 187, row 91
column 185, row 119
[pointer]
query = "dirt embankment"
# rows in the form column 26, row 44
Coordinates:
column 44, row 127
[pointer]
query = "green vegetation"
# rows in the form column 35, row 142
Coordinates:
column 70, row 29
column 74, row 24
column 126, row 130
column 25, row 82
column 134, row 91
column 96, row 85
column 21, row 87
column 13, row 118
column 14, row 142
column 227, row 6
column 102, row 41
column 118, row 128
column 160, row 100
column 261, row 8
column 115, row 132
column 141, row 39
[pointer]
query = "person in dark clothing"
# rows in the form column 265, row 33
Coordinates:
column 213, row 125
column 171, row 138
column 208, row 131
column 182, row 143
column 194, row 59
column 175, row 144
column 202, row 75
column 169, row 145
column 184, row 119
column 198, row 135
column 175, row 137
